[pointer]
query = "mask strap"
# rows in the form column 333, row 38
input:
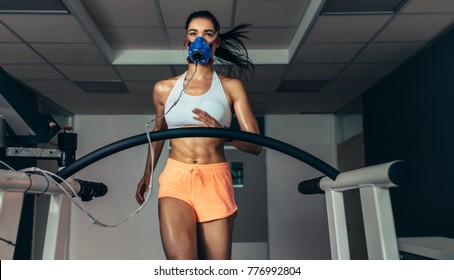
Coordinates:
column 216, row 39
column 186, row 41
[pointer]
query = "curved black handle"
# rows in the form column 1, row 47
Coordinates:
column 89, row 189
column 400, row 173
column 265, row 141
column 311, row 186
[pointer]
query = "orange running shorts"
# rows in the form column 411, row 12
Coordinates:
column 207, row 188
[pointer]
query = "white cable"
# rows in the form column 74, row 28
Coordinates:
column 7, row 166
column 178, row 99
column 147, row 130
column 50, row 176
column 150, row 184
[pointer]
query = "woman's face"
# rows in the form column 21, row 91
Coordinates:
column 202, row 27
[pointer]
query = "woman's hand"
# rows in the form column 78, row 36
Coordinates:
column 142, row 187
column 206, row 119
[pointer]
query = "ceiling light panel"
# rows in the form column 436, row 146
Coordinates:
column 32, row 6
column 102, row 86
column 301, row 86
column 361, row 7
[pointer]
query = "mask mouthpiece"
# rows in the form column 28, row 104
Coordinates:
column 200, row 51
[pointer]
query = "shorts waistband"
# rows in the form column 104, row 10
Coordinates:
column 202, row 167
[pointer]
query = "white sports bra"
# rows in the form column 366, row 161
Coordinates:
column 214, row 102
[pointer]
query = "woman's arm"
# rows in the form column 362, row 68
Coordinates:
column 246, row 119
column 160, row 93
column 236, row 94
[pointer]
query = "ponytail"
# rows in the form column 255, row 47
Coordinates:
column 233, row 52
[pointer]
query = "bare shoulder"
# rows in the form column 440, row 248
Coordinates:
column 232, row 85
column 228, row 81
column 165, row 86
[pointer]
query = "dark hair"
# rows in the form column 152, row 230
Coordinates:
column 232, row 52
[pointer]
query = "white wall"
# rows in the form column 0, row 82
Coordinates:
column 298, row 227
column 297, row 224
column 349, row 125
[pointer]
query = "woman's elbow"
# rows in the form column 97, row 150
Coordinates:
column 251, row 149
column 257, row 150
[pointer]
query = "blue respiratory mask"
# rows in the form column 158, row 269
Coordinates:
column 200, row 51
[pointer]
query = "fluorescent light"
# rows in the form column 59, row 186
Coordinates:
column 33, row 6
column 336, row 7
column 102, row 86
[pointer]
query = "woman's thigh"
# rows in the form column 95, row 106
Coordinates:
column 215, row 239
column 178, row 229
